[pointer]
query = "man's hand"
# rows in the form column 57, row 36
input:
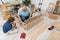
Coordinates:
column 18, row 16
column 30, row 15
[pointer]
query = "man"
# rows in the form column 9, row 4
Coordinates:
column 9, row 25
column 24, row 13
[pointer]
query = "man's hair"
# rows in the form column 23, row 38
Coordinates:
column 11, row 19
column 24, row 5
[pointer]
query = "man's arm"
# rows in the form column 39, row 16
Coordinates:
column 30, row 14
column 18, row 16
column 19, row 19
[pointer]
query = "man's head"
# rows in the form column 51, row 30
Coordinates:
column 24, row 8
column 11, row 20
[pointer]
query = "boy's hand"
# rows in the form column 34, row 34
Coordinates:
column 14, row 24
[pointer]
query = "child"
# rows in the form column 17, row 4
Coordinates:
column 10, row 25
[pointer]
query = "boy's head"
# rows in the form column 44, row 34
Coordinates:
column 11, row 20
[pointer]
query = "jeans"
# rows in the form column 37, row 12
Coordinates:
column 23, row 18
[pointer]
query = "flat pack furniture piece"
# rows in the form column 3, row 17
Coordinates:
column 53, row 16
column 32, row 7
column 54, row 36
column 6, row 11
column 38, row 30
column 27, row 24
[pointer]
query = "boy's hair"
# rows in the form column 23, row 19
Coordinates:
column 11, row 19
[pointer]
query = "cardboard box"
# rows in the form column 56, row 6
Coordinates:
column 53, row 16
column 6, row 14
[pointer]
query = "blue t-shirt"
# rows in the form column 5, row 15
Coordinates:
column 7, row 27
column 22, row 13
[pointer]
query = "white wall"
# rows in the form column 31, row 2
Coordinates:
column 10, row 1
column 45, row 3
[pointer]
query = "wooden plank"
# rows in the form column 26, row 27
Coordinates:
column 54, row 36
column 32, row 19
column 35, row 22
column 37, row 31
column 30, row 23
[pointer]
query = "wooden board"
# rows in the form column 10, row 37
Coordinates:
column 37, row 31
column 32, row 7
column 30, row 23
column 32, row 19
column 54, row 36
column 33, row 23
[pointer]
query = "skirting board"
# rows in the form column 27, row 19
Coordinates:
column 54, row 36
column 30, row 22
column 37, row 31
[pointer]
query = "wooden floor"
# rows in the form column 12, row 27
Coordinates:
column 37, row 31
column 54, row 36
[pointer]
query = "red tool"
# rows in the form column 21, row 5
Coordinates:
column 23, row 35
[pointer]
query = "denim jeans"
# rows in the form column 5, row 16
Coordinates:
column 23, row 18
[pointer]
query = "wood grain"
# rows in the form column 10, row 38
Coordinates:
column 30, row 22
column 54, row 36
column 37, row 31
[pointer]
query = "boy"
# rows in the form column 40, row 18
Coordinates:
column 10, row 25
